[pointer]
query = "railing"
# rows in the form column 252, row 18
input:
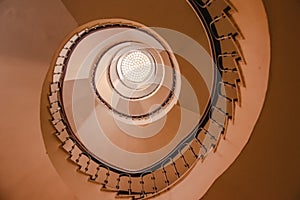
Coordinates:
column 215, row 15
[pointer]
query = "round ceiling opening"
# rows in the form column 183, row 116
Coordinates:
column 136, row 66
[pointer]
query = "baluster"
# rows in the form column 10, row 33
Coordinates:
column 206, row 132
column 202, row 146
column 175, row 168
column 154, row 183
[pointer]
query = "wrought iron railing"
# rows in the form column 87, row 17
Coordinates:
column 223, row 35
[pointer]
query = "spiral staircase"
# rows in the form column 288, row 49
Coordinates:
column 142, row 101
column 216, row 100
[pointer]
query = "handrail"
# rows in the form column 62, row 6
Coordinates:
column 61, row 124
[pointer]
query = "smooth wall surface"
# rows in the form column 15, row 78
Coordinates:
column 30, row 32
column 269, row 166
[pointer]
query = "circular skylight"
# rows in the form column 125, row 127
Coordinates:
column 136, row 66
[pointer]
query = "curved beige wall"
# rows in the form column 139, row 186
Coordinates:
column 30, row 32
